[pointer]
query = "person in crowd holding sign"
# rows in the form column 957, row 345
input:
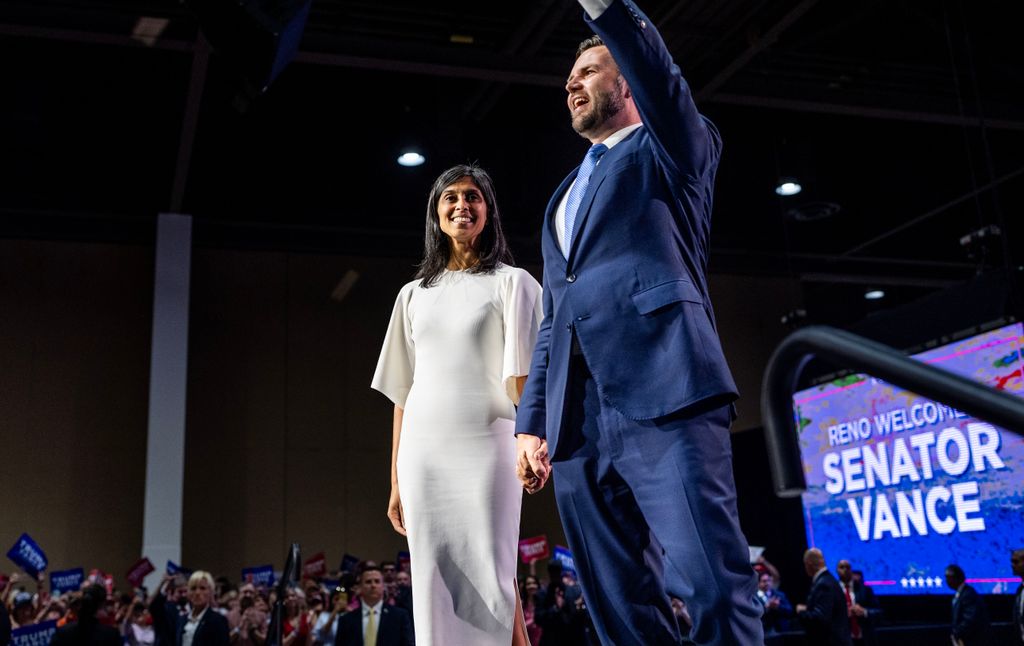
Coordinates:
column 375, row 623
column 89, row 629
column 454, row 362
column 970, row 626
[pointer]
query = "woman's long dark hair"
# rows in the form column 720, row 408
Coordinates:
column 437, row 248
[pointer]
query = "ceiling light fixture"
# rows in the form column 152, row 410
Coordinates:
column 410, row 159
column 787, row 186
column 874, row 294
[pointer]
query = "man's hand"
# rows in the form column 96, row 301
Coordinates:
column 533, row 465
column 800, row 608
column 858, row 610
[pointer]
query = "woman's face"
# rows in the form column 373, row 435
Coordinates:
column 531, row 585
column 199, row 594
column 462, row 211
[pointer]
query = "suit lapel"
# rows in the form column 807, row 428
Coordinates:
column 596, row 179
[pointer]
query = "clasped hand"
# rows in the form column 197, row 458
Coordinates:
column 533, row 465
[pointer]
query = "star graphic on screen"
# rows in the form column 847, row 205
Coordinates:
column 920, row 582
column 903, row 582
column 913, row 583
column 938, row 582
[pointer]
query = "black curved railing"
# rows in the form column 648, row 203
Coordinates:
column 863, row 355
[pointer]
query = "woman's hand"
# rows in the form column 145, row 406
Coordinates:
column 395, row 513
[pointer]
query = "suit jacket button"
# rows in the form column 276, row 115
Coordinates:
column 571, row 278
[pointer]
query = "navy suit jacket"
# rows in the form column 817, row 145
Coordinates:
column 170, row 626
column 970, row 617
column 395, row 628
column 826, row 620
column 634, row 290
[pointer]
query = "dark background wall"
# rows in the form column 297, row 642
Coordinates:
column 285, row 440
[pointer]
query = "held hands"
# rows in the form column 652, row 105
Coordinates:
column 395, row 513
column 533, row 465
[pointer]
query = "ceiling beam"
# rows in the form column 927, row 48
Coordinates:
column 873, row 112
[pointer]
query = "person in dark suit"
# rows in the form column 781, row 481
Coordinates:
column 1017, row 563
column 824, row 616
column 862, row 606
column 87, row 630
column 777, row 608
column 970, row 625
column 629, row 399
column 374, row 623
column 200, row 626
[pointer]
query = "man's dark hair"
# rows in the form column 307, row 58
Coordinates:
column 593, row 41
column 370, row 568
column 956, row 571
column 437, row 246
column 93, row 598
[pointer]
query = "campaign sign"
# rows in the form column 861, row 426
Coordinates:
column 564, row 556
column 261, row 575
column 349, row 563
column 903, row 486
column 315, row 566
column 66, row 580
column 35, row 635
column 27, row 555
column 137, row 573
column 174, row 568
column 534, row 549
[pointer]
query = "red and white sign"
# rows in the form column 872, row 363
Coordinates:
column 534, row 549
column 315, row 566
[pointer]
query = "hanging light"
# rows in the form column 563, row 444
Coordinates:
column 787, row 186
column 411, row 158
column 874, row 294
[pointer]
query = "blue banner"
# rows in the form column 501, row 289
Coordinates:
column 66, row 580
column 261, row 575
column 28, row 555
column 349, row 563
column 35, row 635
column 564, row 556
column 174, row 568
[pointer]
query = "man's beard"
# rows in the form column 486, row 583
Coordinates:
column 605, row 106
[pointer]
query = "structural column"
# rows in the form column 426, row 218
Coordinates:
column 168, row 371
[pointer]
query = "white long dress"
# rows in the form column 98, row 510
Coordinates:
column 450, row 360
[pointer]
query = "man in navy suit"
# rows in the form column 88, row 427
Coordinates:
column 1017, row 563
column 628, row 385
column 824, row 616
column 374, row 623
column 970, row 623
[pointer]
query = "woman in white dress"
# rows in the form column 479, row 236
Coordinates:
column 454, row 362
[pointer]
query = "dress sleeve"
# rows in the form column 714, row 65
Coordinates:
column 397, row 361
column 523, row 311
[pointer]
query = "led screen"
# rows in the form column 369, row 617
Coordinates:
column 903, row 486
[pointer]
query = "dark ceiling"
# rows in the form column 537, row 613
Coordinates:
column 902, row 119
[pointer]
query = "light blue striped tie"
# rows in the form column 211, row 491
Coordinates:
column 572, row 203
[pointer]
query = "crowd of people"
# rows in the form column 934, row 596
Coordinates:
column 200, row 610
column 318, row 611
